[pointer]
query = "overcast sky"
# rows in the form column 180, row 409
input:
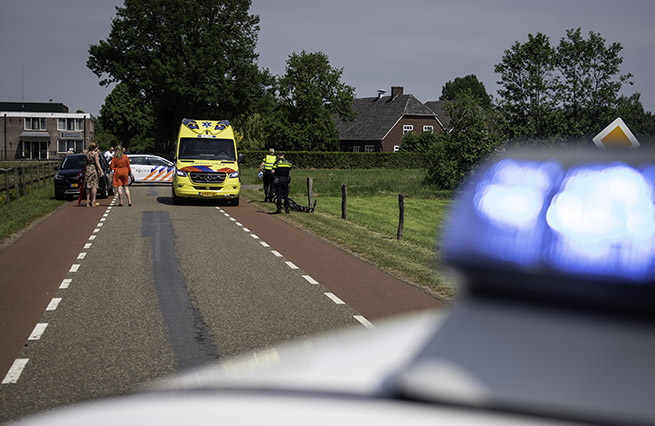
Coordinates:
column 417, row 44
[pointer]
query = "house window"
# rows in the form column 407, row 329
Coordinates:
column 35, row 124
column 356, row 148
column 63, row 145
column 407, row 128
column 369, row 148
column 428, row 129
column 70, row 124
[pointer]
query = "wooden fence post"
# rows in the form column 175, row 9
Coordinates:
column 401, row 216
column 344, row 193
column 7, row 201
column 16, row 183
column 310, row 191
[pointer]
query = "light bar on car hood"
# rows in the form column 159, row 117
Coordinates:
column 557, row 223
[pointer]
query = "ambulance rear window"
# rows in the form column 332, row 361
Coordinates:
column 207, row 149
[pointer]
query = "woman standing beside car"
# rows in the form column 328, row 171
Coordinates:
column 91, row 171
column 120, row 164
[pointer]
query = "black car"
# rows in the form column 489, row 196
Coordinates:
column 67, row 179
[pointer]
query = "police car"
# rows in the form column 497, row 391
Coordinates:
column 150, row 169
column 555, row 323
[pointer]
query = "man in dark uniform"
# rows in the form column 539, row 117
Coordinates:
column 266, row 167
column 281, row 170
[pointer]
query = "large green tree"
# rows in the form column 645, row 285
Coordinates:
column 127, row 116
column 589, row 81
column 310, row 94
column 474, row 135
column 450, row 90
column 527, row 86
column 188, row 58
column 549, row 93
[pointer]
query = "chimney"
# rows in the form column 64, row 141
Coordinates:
column 396, row 91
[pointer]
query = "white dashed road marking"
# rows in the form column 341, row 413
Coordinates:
column 38, row 331
column 14, row 372
column 54, row 304
column 366, row 323
column 310, row 279
column 335, row 299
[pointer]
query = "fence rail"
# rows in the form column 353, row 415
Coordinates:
column 17, row 180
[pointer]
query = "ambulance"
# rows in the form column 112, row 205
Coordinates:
column 206, row 162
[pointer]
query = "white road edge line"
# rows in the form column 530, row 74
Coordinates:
column 366, row 323
column 335, row 299
column 310, row 279
column 264, row 243
column 74, row 267
column 54, row 304
column 254, row 236
column 291, row 265
column 15, row 371
column 81, row 256
column 65, row 282
column 38, row 331
column 276, row 253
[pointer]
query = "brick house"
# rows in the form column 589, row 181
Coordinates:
column 39, row 130
column 381, row 122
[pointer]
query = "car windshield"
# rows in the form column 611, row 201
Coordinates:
column 73, row 162
column 207, row 149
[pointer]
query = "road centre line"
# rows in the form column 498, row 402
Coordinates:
column 54, row 304
column 38, row 331
column 15, row 371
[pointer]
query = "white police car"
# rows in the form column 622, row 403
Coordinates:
column 150, row 169
column 555, row 324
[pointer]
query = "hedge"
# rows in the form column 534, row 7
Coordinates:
column 343, row 160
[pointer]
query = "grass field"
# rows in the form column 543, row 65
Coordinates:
column 372, row 225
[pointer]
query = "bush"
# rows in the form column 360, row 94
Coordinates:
column 343, row 160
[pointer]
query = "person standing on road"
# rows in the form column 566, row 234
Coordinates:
column 282, row 180
column 266, row 167
column 108, row 154
column 120, row 164
column 92, row 174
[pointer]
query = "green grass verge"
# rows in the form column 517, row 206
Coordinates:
column 372, row 225
column 21, row 212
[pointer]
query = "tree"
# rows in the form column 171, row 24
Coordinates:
column 310, row 95
column 455, row 154
column 450, row 90
column 126, row 115
column 527, row 87
column 418, row 143
column 589, row 81
column 187, row 58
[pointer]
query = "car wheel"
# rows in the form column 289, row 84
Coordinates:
column 234, row 202
column 59, row 196
column 176, row 199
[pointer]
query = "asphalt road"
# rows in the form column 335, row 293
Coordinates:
column 97, row 302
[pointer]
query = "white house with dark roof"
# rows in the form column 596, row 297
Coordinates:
column 380, row 122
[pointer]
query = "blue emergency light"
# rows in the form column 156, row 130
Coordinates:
column 571, row 224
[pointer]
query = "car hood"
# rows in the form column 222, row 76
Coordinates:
column 69, row 172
